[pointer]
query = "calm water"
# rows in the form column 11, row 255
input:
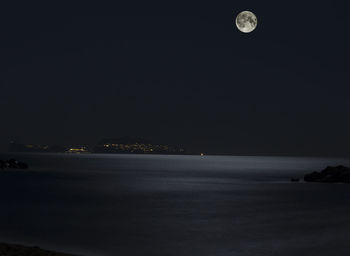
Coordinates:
column 174, row 205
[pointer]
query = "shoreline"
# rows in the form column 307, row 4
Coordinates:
column 7, row 249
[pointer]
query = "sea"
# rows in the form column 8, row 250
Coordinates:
column 171, row 205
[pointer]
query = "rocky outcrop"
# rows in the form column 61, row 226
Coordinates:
column 13, row 164
column 19, row 250
column 330, row 175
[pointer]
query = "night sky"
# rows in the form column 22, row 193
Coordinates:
column 178, row 73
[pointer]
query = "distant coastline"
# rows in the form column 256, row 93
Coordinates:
column 20, row 250
column 124, row 145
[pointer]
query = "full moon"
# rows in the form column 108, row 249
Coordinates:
column 246, row 21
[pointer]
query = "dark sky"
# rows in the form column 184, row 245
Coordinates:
column 178, row 73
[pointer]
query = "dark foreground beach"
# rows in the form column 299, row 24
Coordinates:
column 139, row 205
column 19, row 250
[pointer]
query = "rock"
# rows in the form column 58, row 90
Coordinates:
column 13, row 164
column 2, row 164
column 330, row 175
column 22, row 165
column 314, row 176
